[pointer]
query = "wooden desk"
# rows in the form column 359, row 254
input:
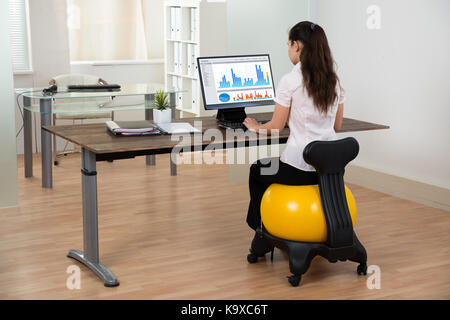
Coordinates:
column 98, row 144
column 97, row 139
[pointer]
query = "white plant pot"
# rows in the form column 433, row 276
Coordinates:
column 162, row 116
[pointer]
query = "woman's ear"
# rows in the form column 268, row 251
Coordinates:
column 298, row 46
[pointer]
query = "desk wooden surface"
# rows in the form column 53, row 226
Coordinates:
column 97, row 138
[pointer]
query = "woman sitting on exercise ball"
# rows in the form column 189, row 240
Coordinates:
column 310, row 98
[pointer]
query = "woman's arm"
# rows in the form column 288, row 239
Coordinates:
column 339, row 117
column 278, row 122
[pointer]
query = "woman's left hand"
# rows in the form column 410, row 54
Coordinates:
column 252, row 124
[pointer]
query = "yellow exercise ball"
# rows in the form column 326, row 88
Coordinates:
column 295, row 212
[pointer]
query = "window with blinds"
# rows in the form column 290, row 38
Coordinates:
column 19, row 35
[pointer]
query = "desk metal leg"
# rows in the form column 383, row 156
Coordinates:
column 27, row 138
column 149, row 99
column 46, row 143
column 173, row 104
column 90, row 256
column 173, row 168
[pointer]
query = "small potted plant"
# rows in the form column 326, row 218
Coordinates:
column 162, row 112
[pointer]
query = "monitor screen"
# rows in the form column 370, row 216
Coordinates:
column 236, row 81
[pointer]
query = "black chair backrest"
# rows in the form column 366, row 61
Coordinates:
column 329, row 158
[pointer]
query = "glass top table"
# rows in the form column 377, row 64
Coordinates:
column 65, row 102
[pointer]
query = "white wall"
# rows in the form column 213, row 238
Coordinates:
column 213, row 36
column 213, row 28
column 399, row 76
column 50, row 52
column 8, row 159
column 262, row 26
column 153, row 13
column 49, row 40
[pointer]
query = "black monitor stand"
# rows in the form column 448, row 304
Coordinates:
column 231, row 115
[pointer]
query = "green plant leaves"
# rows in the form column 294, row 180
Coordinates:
column 161, row 102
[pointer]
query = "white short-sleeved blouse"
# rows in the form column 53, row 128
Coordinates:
column 306, row 123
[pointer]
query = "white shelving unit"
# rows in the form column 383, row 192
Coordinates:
column 181, row 48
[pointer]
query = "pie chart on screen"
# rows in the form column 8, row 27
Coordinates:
column 224, row 97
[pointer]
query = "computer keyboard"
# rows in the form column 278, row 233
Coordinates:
column 237, row 125
column 94, row 87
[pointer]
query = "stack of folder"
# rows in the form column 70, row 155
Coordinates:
column 145, row 128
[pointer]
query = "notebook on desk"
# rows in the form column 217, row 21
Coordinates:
column 177, row 128
column 132, row 128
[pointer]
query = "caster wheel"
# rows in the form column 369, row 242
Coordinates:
column 251, row 258
column 294, row 280
column 56, row 163
column 362, row 269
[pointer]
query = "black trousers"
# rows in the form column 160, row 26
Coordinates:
column 265, row 172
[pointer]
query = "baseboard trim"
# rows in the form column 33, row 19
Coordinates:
column 423, row 193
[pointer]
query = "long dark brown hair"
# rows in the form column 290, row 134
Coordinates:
column 317, row 64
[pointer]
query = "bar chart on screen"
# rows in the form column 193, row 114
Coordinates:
column 242, row 75
column 245, row 95
column 262, row 79
column 244, row 81
column 256, row 95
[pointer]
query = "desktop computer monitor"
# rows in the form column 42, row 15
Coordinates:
column 232, row 83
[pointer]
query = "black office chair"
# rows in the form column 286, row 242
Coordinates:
column 329, row 158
